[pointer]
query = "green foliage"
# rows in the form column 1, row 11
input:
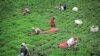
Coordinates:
column 14, row 27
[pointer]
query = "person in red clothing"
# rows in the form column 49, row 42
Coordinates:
column 63, row 45
column 52, row 22
column 69, row 43
column 52, row 30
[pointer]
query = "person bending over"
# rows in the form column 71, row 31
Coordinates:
column 24, row 50
column 35, row 31
column 61, row 7
column 26, row 11
column 69, row 43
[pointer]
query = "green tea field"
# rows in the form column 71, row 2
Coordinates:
column 14, row 27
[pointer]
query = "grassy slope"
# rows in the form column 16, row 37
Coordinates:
column 14, row 27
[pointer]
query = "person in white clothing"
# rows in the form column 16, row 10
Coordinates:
column 35, row 31
column 26, row 11
column 69, row 43
column 72, row 41
column 61, row 7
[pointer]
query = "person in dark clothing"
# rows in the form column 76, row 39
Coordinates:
column 65, row 6
column 62, row 7
column 24, row 50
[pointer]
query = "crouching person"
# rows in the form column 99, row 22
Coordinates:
column 61, row 7
column 26, row 11
column 52, row 22
column 69, row 43
column 24, row 50
column 35, row 31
